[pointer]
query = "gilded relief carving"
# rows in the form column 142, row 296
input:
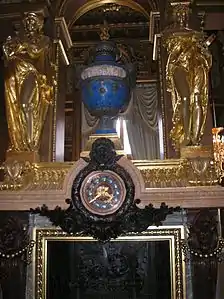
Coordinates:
column 179, row 173
column 156, row 174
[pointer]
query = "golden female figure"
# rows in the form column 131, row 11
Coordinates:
column 28, row 84
column 188, row 66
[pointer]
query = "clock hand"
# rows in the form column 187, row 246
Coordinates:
column 95, row 198
column 110, row 197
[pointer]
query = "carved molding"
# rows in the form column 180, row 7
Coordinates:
column 53, row 177
column 186, row 197
column 155, row 181
column 60, row 21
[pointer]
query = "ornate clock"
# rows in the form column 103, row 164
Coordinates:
column 103, row 192
column 103, row 203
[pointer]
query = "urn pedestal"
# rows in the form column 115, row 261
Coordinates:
column 113, row 137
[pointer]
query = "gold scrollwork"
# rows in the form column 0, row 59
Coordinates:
column 180, row 173
column 15, row 173
column 156, row 174
column 48, row 178
column 36, row 176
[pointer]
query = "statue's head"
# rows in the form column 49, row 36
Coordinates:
column 33, row 23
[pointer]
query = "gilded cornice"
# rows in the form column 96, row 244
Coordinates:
column 155, row 174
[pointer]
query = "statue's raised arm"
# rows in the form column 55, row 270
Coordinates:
column 28, row 84
column 11, row 47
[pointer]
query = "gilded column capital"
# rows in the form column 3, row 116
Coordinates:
column 179, row 13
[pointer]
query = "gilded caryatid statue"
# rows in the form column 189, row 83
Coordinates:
column 187, row 73
column 29, row 78
column 187, row 76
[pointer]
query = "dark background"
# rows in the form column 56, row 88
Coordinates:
column 90, row 270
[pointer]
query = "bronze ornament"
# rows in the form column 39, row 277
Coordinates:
column 97, row 222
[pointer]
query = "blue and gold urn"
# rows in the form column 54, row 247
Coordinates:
column 106, row 85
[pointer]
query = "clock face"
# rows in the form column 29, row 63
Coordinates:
column 102, row 192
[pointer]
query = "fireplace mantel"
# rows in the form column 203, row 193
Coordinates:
column 190, row 197
column 169, row 181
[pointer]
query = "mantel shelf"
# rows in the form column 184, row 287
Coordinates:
column 185, row 197
column 155, row 182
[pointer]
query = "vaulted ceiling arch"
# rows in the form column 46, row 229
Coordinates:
column 72, row 10
column 97, row 3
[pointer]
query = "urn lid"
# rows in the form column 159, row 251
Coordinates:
column 105, row 51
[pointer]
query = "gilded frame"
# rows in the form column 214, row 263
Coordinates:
column 173, row 234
